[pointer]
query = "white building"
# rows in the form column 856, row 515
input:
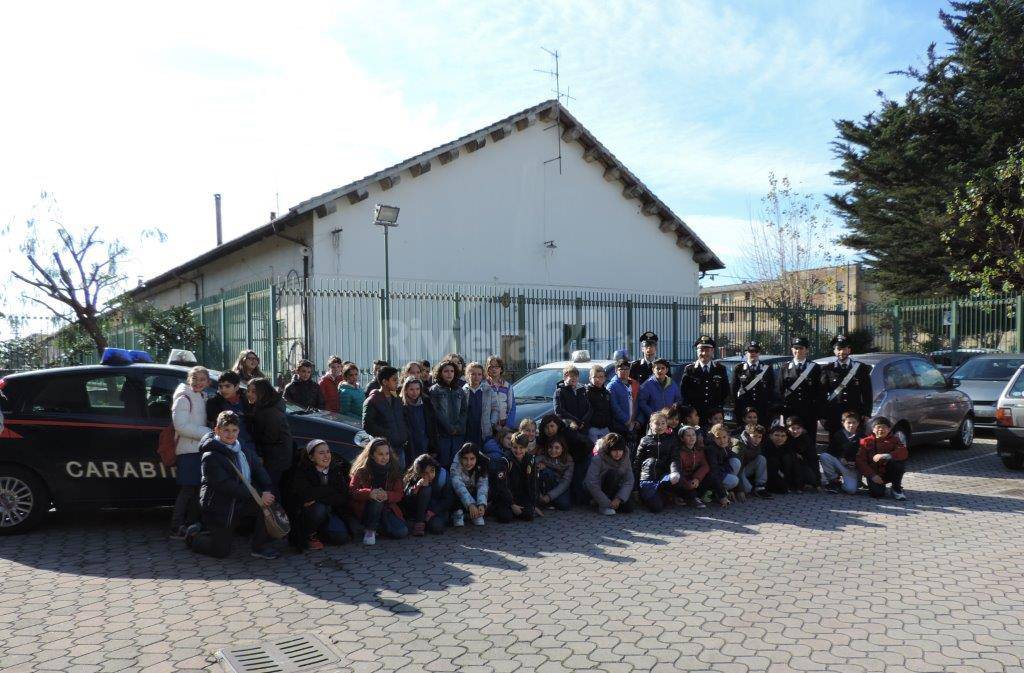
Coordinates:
column 500, row 189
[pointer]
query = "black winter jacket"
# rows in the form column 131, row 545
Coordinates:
column 654, row 456
column 384, row 416
column 571, row 404
column 600, row 401
column 514, row 481
column 306, row 486
column 268, row 426
column 306, row 394
column 221, row 488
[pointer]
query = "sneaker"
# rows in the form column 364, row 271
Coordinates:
column 370, row 537
column 740, row 496
column 698, row 503
column 178, row 533
column 314, row 544
column 708, row 496
column 268, row 554
column 608, row 511
column 762, row 493
column 418, row 529
column 898, row 495
column 459, row 518
column 479, row 521
column 832, row 487
column 191, row 532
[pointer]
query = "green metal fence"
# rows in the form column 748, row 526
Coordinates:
column 285, row 320
column 927, row 325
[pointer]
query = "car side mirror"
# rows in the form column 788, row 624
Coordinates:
column 952, row 383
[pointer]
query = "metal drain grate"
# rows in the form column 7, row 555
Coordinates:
column 294, row 654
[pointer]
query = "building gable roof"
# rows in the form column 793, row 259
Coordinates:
column 549, row 111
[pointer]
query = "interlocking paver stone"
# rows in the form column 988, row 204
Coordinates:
column 802, row 582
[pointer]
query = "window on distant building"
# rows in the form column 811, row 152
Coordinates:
column 746, row 296
column 840, row 286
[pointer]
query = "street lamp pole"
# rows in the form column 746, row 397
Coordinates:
column 387, row 217
column 387, row 297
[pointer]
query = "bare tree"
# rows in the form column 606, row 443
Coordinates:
column 788, row 236
column 75, row 276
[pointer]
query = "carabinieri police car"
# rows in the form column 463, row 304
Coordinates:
column 77, row 437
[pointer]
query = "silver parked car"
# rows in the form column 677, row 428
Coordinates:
column 983, row 378
column 1010, row 422
column 923, row 406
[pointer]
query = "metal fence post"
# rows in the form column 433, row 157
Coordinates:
column 785, row 327
column 248, row 320
column 630, row 334
column 753, row 322
column 579, row 322
column 675, row 330
column 714, row 313
column 897, row 328
column 202, row 343
column 223, row 334
column 954, row 319
column 384, row 337
column 272, row 333
column 1019, row 310
column 457, row 321
column 521, row 325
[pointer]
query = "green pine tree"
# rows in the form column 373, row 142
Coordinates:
column 904, row 163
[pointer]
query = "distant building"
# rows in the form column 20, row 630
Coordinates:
column 842, row 286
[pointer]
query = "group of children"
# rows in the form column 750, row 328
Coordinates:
column 448, row 449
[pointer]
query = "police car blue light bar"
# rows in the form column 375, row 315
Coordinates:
column 116, row 356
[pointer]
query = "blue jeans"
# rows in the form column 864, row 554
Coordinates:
column 447, row 447
column 318, row 518
column 378, row 517
column 653, row 493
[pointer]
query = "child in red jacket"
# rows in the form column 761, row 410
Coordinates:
column 329, row 383
column 690, row 469
column 881, row 459
column 376, row 488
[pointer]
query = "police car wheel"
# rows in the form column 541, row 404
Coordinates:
column 23, row 500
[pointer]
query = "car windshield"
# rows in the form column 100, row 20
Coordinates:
column 988, row 369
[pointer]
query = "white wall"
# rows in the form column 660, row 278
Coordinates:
column 485, row 216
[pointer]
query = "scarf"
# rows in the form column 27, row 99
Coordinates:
column 379, row 475
column 241, row 461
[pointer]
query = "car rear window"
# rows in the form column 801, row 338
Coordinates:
column 986, row 369
column 1016, row 389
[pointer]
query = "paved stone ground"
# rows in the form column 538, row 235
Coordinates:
column 804, row 582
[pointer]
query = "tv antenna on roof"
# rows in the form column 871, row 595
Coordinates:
column 559, row 97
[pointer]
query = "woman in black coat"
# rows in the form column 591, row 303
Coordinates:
column 319, row 492
column 268, row 426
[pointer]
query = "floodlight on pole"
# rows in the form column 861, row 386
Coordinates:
column 387, row 217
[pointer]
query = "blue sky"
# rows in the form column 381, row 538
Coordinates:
column 134, row 115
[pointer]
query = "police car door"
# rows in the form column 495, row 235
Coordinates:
column 92, row 426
